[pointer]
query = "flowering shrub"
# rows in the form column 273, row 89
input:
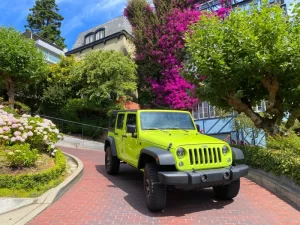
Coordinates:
column 160, row 52
column 172, row 89
column 38, row 132
column 20, row 155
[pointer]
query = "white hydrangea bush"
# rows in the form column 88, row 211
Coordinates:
column 38, row 132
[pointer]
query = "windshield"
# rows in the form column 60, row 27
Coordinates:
column 166, row 121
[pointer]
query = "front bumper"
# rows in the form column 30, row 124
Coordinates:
column 203, row 177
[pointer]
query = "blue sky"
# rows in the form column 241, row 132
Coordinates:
column 79, row 15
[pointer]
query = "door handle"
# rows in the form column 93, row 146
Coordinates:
column 124, row 136
column 115, row 133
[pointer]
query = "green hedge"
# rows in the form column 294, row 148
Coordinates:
column 35, row 180
column 19, row 108
column 279, row 162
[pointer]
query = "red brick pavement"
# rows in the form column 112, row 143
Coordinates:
column 101, row 199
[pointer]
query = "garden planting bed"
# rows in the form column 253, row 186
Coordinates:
column 30, row 164
column 33, row 182
column 44, row 162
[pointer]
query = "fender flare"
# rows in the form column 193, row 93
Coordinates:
column 237, row 154
column 160, row 156
column 111, row 142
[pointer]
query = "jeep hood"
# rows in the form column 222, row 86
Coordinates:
column 163, row 139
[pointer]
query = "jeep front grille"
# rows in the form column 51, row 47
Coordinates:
column 200, row 156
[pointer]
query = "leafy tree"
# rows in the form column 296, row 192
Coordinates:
column 248, row 57
column 245, row 124
column 31, row 94
column 45, row 21
column 20, row 62
column 62, row 73
column 60, row 86
column 106, row 74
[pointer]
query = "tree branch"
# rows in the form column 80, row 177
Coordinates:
column 292, row 118
column 240, row 107
column 260, row 122
column 272, row 86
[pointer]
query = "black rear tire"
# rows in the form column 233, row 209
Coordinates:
column 228, row 191
column 112, row 163
column 155, row 192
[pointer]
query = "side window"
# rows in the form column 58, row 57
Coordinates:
column 112, row 122
column 120, row 121
column 131, row 119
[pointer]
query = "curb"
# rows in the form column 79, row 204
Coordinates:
column 55, row 193
column 39, row 204
column 278, row 185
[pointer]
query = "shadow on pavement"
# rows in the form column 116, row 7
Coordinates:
column 179, row 202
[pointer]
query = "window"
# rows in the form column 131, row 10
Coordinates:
column 166, row 120
column 112, row 122
column 89, row 39
column 195, row 112
column 131, row 119
column 120, row 121
column 203, row 109
column 212, row 111
column 99, row 35
column 54, row 58
column 261, row 107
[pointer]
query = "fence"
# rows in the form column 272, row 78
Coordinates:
column 81, row 130
column 222, row 128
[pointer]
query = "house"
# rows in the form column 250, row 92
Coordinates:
column 112, row 35
column 215, row 122
column 215, row 4
column 51, row 51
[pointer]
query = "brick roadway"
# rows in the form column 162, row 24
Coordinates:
column 101, row 199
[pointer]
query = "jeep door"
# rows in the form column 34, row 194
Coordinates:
column 131, row 142
column 119, row 132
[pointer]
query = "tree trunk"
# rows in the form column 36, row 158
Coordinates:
column 10, row 87
column 268, row 125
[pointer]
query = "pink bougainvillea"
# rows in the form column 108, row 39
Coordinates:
column 172, row 89
column 161, row 44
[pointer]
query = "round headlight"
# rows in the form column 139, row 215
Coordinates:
column 180, row 153
column 225, row 149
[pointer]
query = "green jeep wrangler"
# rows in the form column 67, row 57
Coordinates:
column 167, row 146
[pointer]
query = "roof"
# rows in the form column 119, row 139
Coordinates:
column 111, row 27
column 35, row 37
column 94, row 43
column 129, row 105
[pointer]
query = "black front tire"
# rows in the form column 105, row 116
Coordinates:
column 112, row 163
column 228, row 191
column 155, row 192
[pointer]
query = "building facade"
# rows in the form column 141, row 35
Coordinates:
column 215, row 4
column 51, row 51
column 113, row 35
column 220, row 124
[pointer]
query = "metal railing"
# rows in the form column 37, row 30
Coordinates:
column 81, row 130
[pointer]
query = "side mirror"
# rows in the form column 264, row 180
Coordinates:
column 131, row 129
column 198, row 128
